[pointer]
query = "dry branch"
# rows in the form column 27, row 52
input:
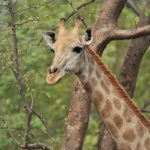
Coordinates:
column 23, row 146
column 78, row 13
column 19, row 79
column 119, row 34
column 35, row 146
column 81, row 6
column 33, row 6
column 15, row 140
column 144, row 108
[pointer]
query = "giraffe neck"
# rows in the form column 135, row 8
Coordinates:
column 127, row 126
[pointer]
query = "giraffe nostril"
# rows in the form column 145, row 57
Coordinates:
column 49, row 71
column 55, row 70
column 52, row 70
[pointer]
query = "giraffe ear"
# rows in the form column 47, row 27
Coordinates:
column 50, row 38
column 88, row 36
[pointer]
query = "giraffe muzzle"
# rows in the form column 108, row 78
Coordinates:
column 54, row 74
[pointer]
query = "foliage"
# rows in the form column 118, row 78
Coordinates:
column 35, row 57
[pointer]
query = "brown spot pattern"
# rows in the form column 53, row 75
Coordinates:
column 140, row 130
column 115, row 92
column 91, row 69
column 98, row 98
column 107, row 109
column 94, row 81
column 147, row 143
column 124, row 146
column 98, row 74
column 99, row 95
column 118, row 120
column 138, row 146
column 88, row 87
column 129, row 135
column 113, row 130
column 117, row 103
column 104, row 86
column 127, row 114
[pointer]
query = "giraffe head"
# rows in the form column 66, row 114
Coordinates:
column 68, row 49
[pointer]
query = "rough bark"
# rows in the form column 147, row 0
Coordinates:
column 106, row 23
column 131, row 65
column 77, row 119
column 20, row 83
column 105, row 142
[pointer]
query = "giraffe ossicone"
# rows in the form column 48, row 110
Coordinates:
column 126, row 124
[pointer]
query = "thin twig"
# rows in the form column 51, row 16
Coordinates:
column 40, row 116
column 16, row 55
column 9, row 130
column 78, row 13
column 33, row 7
column 19, row 80
column 27, row 127
column 67, row 18
column 146, row 104
column 145, row 111
column 18, row 74
column 81, row 6
column 23, row 146
column 53, row 28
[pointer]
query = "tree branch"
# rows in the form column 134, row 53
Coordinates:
column 146, row 104
column 33, row 6
column 81, row 6
column 38, row 115
column 119, row 34
column 78, row 13
column 19, row 79
column 135, row 8
column 16, row 141
column 35, row 146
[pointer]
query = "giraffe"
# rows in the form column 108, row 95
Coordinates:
column 129, row 128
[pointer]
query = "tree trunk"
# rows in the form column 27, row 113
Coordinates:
column 77, row 120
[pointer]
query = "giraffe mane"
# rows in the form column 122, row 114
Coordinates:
column 132, row 105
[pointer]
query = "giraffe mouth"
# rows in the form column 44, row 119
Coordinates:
column 53, row 78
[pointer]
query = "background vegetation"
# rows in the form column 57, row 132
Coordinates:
column 33, row 17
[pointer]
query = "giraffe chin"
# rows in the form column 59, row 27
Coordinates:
column 52, row 79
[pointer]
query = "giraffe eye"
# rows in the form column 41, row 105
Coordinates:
column 77, row 49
